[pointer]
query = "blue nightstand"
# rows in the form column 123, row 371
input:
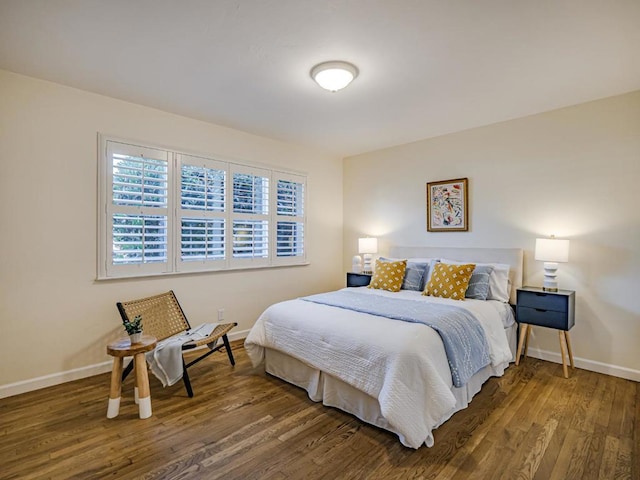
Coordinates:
column 535, row 306
column 358, row 279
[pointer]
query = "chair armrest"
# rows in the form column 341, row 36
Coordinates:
column 218, row 332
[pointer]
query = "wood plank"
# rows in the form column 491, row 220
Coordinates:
column 595, row 454
column 244, row 424
column 504, row 447
column 609, row 458
column 635, row 453
column 584, row 402
column 627, row 463
column 628, row 409
column 606, row 401
column 534, row 404
column 524, row 463
column 274, row 454
column 616, row 418
column 572, row 456
column 560, row 409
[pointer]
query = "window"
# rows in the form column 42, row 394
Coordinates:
column 137, row 209
column 202, row 213
column 167, row 212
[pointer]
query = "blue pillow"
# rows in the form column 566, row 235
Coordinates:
column 427, row 273
column 414, row 275
column 479, row 283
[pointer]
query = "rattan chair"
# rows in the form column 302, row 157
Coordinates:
column 163, row 317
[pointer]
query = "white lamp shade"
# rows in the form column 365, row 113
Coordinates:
column 368, row 245
column 334, row 76
column 552, row 250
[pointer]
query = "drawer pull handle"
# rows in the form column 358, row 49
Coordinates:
column 540, row 310
column 541, row 294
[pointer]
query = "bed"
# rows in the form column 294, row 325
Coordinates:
column 394, row 374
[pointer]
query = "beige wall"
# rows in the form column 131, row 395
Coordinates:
column 573, row 172
column 54, row 316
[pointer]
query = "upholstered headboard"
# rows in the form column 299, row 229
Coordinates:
column 510, row 256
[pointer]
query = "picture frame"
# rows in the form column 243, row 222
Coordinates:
column 448, row 206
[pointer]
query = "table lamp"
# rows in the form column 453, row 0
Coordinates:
column 367, row 246
column 551, row 251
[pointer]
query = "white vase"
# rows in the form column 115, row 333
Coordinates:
column 136, row 337
column 356, row 264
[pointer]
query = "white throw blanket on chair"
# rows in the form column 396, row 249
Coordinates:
column 165, row 360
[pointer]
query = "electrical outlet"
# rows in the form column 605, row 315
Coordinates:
column 221, row 314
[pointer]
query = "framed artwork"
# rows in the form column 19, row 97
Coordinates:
column 447, row 206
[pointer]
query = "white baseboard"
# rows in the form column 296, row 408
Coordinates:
column 67, row 376
column 54, row 379
column 238, row 335
column 591, row 365
column 37, row 383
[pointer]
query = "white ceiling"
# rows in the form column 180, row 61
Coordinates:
column 426, row 67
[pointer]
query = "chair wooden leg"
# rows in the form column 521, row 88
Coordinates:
column 186, row 380
column 227, row 346
column 127, row 370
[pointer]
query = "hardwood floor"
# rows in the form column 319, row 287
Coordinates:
column 243, row 424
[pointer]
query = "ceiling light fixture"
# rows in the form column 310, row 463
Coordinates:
column 334, row 76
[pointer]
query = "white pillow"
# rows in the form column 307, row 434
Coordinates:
column 498, row 280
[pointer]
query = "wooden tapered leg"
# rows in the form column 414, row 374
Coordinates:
column 563, row 352
column 526, row 340
column 142, row 379
column 116, row 387
column 568, row 339
column 523, row 334
column 136, row 393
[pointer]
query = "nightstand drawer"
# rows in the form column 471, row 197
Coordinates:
column 543, row 318
column 546, row 301
column 358, row 279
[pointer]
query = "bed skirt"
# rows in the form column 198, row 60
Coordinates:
column 333, row 392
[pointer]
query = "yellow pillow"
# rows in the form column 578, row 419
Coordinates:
column 449, row 281
column 388, row 275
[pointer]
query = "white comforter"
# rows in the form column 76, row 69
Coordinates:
column 403, row 365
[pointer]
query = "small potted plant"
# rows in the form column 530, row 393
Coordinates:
column 134, row 328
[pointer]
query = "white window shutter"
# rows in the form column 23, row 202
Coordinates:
column 163, row 212
column 290, row 200
column 202, row 213
column 137, row 210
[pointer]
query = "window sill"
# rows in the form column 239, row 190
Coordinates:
column 201, row 272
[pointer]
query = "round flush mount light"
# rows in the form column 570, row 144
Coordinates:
column 334, row 76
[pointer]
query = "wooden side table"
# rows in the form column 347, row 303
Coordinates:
column 124, row 348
